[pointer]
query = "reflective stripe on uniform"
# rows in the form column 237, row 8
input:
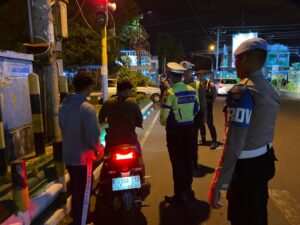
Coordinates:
column 254, row 153
column 185, row 93
column 179, row 105
column 87, row 193
column 166, row 107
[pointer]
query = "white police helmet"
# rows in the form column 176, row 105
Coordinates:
column 187, row 65
column 176, row 68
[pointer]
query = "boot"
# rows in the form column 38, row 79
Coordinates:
column 214, row 145
column 203, row 141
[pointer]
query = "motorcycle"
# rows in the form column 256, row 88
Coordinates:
column 128, row 186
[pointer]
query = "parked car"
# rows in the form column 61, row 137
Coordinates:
column 151, row 91
column 224, row 85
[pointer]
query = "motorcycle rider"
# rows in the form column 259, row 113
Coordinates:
column 123, row 115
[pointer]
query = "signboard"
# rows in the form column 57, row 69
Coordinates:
column 16, row 69
column 15, row 89
column 238, row 39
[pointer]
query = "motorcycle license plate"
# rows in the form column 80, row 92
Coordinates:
column 126, row 183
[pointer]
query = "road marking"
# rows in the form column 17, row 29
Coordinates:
column 289, row 207
column 149, row 129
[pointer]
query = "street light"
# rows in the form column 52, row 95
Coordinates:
column 212, row 47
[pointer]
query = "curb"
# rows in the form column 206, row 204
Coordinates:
column 291, row 95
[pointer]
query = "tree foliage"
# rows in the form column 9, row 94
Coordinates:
column 167, row 46
column 136, row 77
column 82, row 36
column 82, row 47
column 84, row 43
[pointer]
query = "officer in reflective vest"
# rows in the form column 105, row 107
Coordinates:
column 188, row 78
column 179, row 106
column 247, row 161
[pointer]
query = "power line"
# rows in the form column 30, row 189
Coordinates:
column 78, row 12
column 199, row 21
column 85, row 20
column 170, row 22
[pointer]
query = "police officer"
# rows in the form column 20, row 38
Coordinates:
column 163, row 85
column 179, row 106
column 247, row 161
column 211, row 95
column 188, row 79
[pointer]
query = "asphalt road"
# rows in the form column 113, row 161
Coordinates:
column 284, row 203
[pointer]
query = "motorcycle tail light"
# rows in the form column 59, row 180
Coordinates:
column 124, row 156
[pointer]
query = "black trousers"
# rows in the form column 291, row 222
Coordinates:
column 180, row 142
column 210, row 123
column 248, row 192
column 80, row 189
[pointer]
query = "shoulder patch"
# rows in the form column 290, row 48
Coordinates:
column 239, row 106
column 237, row 91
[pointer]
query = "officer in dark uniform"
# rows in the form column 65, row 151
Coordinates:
column 211, row 95
column 247, row 162
column 179, row 106
column 188, row 79
column 163, row 85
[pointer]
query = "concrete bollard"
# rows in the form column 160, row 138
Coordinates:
column 20, row 188
column 3, row 158
column 37, row 117
column 63, row 87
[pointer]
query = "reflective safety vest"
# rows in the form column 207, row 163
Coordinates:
column 196, row 86
column 180, row 104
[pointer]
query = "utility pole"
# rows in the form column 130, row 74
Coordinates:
column 104, row 66
column 217, row 49
column 102, row 20
column 43, row 34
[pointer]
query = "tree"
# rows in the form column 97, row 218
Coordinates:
column 124, row 20
column 83, row 45
column 14, row 26
column 167, row 46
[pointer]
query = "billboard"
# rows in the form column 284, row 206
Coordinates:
column 238, row 39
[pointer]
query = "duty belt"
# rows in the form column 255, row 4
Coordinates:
column 255, row 152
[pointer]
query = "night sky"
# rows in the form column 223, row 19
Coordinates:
column 192, row 21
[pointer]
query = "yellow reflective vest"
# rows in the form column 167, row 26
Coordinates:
column 180, row 104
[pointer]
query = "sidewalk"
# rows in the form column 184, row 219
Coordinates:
column 291, row 95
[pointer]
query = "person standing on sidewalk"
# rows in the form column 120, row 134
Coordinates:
column 211, row 95
column 179, row 107
column 247, row 161
column 188, row 79
column 80, row 131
